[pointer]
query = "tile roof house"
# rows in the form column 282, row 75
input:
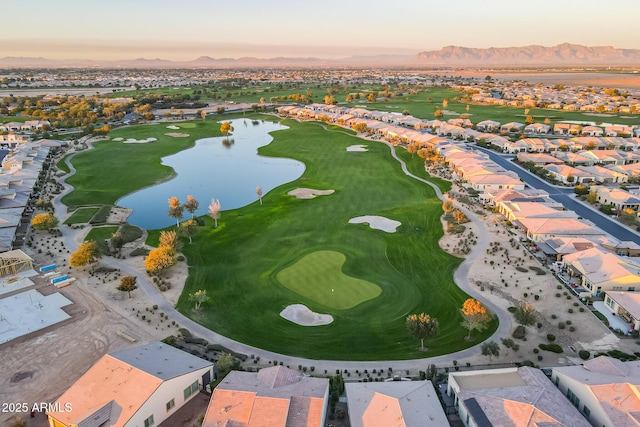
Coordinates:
column 601, row 271
column 273, row 397
column 538, row 229
column 569, row 175
column 619, row 199
column 522, row 397
column 394, row 404
column 604, row 389
column 137, row 386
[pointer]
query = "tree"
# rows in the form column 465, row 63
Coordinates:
column 412, row 149
column 592, row 197
column 169, row 239
column 128, row 284
column 525, row 314
column 445, row 102
column 175, row 209
column 189, row 228
column 371, row 98
column 226, row 128
column 117, row 241
column 438, row 113
column 259, row 193
column 547, row 121
column 422, row 326
column 225, row 362
column 529, row 120
column 203, row 114
column 198, row 298
column 160, row 259
column 191, row 205
column 214, row 211
column 459, row 216
column 87, row 253
column 628, row 216
column 220, row 110
column 491, row 348
column 581, row 190
column 474, row 315
column 44, row 221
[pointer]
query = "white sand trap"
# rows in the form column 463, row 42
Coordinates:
column 301, row 315
column 118, row 139
column 173, row 127
column 450, row 113
column 177, row 135
column 358, row 147
column 139, row 141
column 377, row 222
column 308, row 193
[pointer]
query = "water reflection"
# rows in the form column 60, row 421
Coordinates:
column 224, row 168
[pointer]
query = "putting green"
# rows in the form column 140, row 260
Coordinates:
column 319, row 277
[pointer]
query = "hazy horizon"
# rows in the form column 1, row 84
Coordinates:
column 180, row 31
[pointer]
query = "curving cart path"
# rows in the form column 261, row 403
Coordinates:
column 461, row 278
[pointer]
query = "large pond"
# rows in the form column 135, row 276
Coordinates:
column 227, row 169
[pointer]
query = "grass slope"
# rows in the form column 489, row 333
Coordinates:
column 238, row 262
column 319, row 277
column 81, row 215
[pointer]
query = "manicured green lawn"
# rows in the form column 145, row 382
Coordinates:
column 81, row 215
column 241, row 263
column 62, row 165
column 319, row 277
column 114, row 169
column 101, row 233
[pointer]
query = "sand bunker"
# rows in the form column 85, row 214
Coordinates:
column 177, row 135
column 450, row 113
column 599, row 114
column 308, row 193
column 301, row 315
column 358, row 147
column 118, row 139
column 173, row 127
column 139, row 141
column 377, row 223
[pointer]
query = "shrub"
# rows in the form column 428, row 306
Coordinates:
column 551, row 337
column 554, row 348
column 570, row 310
column 584, row 354
column 553, row 316
column 536, row 351
column 581, row 309
column 536, row 297
column 635, row 333
column 561, row 325
column 539, row 357
column 519, row 332
column 572, row 328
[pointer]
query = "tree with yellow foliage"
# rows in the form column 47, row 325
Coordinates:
column 226, row 128
column 198, row 298
column 189, row 228
column 175, row 209
column 422, row 326
column 160, row 259
column 474, row 316
column 44, row 221
column 87, row 253
column 170, row 240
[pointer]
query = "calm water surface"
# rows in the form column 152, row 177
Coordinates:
column 214, row 168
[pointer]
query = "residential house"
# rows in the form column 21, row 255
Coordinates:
column 558, row 247
column 488, row 126
column 626, row 305
column 569, row 175
column 627, row 248
column 605, row 390
column 601, row 271
column 137, row 386
column 538, row 229
column 567, row 129
column 489, row 182
column 394, row 403
column 522, row 397
column 515, row 211
column 592, row 131
column 274, row 396
column 538, row 159
column 604, row 157
column 512, row 127
column 495, row 197
column 617, row 198
column 618, row 130
column 603, row 175
column 537, row 128
column 573, row 159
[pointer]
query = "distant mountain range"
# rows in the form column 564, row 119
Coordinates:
column 565, row 54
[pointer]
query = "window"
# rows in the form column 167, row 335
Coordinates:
column 171, row 404
column 557, row 381
column 610, row 302
column 586, row 411
column 573, row 398
column 148, row 422
column 193, row 388
column 617, row 288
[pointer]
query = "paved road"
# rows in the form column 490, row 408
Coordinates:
column 567, row 198
column 72, row 241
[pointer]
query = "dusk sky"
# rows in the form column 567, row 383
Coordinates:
column 186, row 29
